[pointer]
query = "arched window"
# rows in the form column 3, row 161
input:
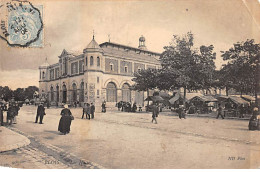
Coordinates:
column 98, row 61
column 43, row 75
column 64, row 93
column 126, row 93
column 111, row 92
column 52, row 94
column 74, row 92
column 81, row 96
column 86, row 61
column 91, row 61
column 111, row 67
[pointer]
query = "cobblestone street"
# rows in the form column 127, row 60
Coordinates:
column 129, row 140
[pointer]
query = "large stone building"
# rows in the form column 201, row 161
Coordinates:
column 101, row 72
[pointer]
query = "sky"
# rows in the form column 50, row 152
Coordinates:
column 69, row 25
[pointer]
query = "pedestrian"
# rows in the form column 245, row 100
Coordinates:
column 220, row 112
column 181, row 112
column 134, row 107
column 129, row 109
column 241, row 111
column 123, row 107
column 254, row 122
column 48, row 104
column 192, row 109
column 92, row 110
column 1, row 116
column 119, row 105
column 11, row 113
column 84, row 110
column 155, row 112
column 17, row 108
column 65, row 120
column 104, row 106
column 40, row 113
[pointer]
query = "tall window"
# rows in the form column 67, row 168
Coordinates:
column 97, row 79
column 111, row 92
column 126, row 69
column 81, row 96
column 81, row 66
column 91, row 61
column 43, row 75
column 74, row 92
column 111, row 67
column 98, row 61
column 52, row 94
column 86, row 61
column 58, row 93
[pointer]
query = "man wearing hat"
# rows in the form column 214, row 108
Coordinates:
column 40, row 113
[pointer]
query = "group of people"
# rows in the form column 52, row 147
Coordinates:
column 126, row 106
column 12, row 108
column 66, row 116
column 89, row 110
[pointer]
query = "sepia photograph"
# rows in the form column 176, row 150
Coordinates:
column 130, row 84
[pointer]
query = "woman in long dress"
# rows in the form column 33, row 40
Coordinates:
column 65, row 120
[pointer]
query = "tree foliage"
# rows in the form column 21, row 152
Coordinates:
column 145, row 80
column 187, row 66
column 20, row 94
column 241, row 72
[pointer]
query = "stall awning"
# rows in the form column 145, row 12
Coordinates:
column 189, row 96
column 238, row 100
column 204, row 98
column 248, row 98
column 174, row 99
column 154, row 98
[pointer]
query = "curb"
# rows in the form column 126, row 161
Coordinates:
column 17, row 145
column 231, row 118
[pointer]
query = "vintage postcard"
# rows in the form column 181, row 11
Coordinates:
column 131, row 84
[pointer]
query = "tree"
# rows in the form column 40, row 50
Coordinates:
column 243, row 64
column 6, row 93
column 29, row 91
column 145, row 80
column 19, row 94
column 186, row 67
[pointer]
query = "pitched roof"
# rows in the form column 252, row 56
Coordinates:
column 205, row 98
column 135, row 54
column 238, row 100
column 93, row 45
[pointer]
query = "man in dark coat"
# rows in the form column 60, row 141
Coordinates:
column 86, row 110
column 181, row 112
column 119, row 105
column 134, row 107
column 155, row 111
column 11, row 112
column 92, row 110
column 40, row 113
column 220, row 112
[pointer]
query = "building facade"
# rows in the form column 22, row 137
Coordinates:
column 101, row 72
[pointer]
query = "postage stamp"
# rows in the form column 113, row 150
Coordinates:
column 21, row 24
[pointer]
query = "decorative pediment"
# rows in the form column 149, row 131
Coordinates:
column 64, row 53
